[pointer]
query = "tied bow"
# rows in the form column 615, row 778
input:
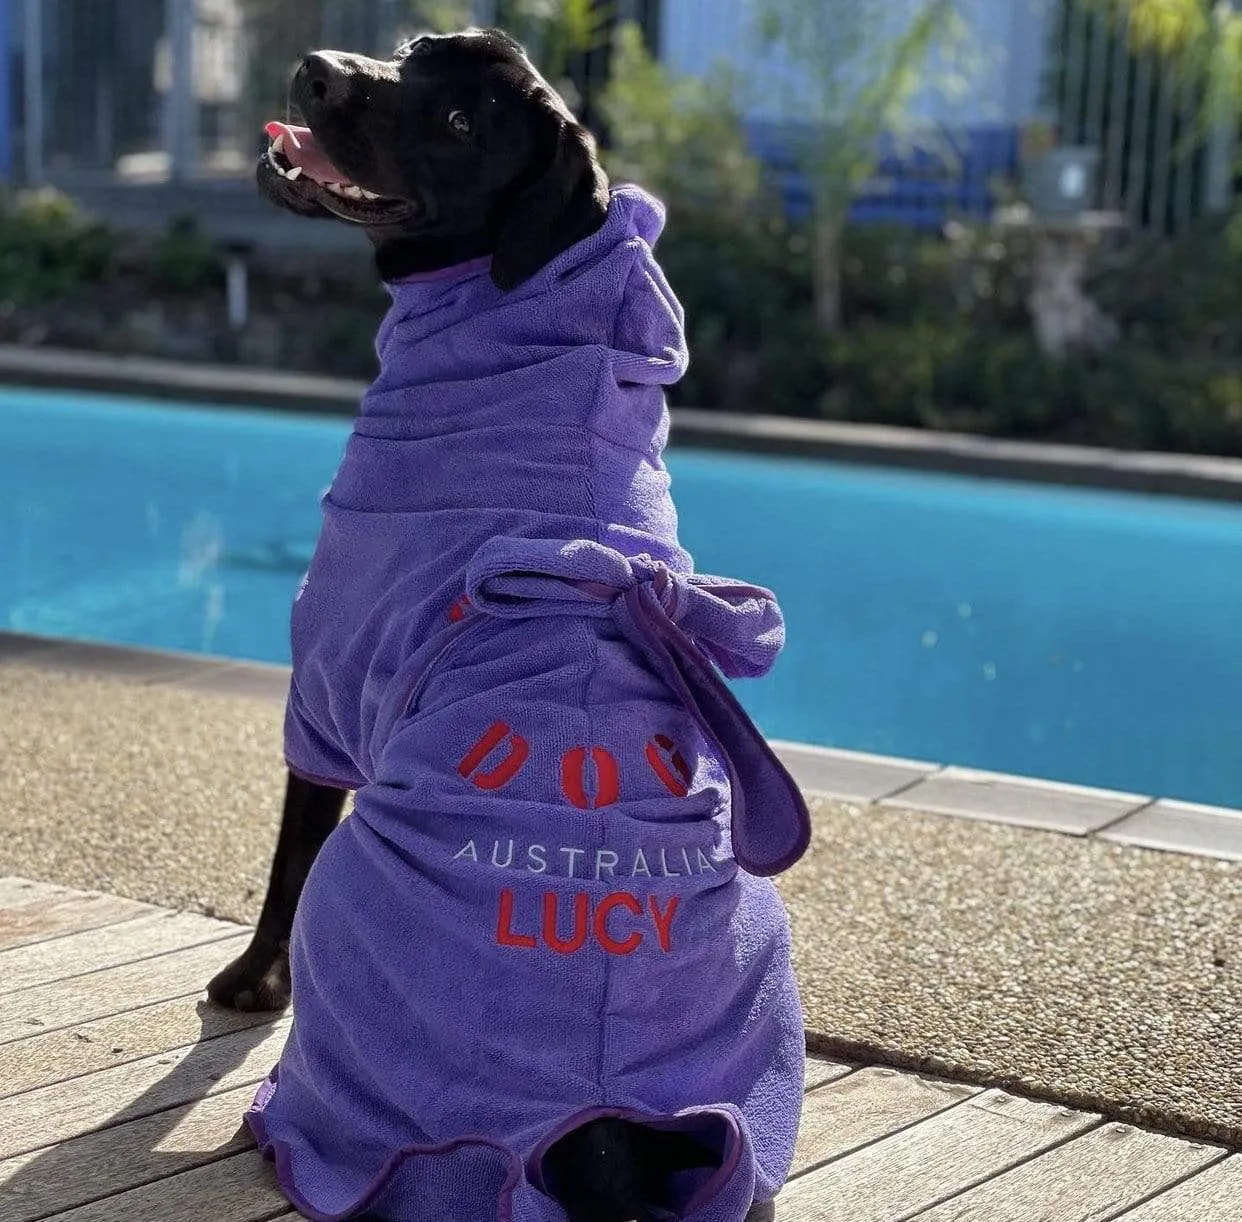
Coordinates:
column 681, row 624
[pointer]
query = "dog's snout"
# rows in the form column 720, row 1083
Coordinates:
column 324, row 78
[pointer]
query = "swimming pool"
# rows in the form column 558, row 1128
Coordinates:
column 1081, row 636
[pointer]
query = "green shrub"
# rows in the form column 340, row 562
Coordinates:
column 185, row 261
column 1137, row 398
column 955, row 375
column 895, row 275
column 1178, row 296
column 49, row 249
column 747, row 295
column 682, row 138
column 943, row 374
column 938, row 336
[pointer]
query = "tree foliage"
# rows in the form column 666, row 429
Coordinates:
column 1204, row 36
column 680, row 138
column 851, row 72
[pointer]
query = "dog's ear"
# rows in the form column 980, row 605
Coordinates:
column 565, row 202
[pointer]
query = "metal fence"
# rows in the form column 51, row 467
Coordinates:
column 1160, row 162
column 120, row 86
column 152, row 89
column 160, row 89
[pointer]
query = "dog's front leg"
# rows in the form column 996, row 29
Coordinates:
column 259, row 978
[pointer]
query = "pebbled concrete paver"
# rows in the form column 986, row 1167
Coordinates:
column 1099, row 975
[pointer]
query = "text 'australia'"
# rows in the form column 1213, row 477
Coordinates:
column 571, row 861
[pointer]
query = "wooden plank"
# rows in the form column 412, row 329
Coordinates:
column 1089, row 1179
column 921, row 1166
column 109, row 1161
column 38, row 920
column 63, row 1110
column 63, row 1003
column 15, row 891
column 1214, row 1195
column 864, row 1107
column 820, row 1070
column 89, row 1047
column 96, row 949
column 237, row 1189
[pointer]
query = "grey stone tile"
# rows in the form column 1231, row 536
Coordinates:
column 119, row 661
column 850, row 776
column 22, row 645
column 1182, row 827
column 996, row 798
column 240, row 679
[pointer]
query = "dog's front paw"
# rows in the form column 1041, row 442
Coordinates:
column 257, row 980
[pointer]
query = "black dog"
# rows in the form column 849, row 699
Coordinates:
column 488, row 161
column 457, row 148
column 454, row 149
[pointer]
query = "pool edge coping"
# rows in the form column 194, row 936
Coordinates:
column 852, row 777
column 1200, row 476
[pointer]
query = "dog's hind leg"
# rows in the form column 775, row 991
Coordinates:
column 596, row 1172
column 613, row 1170
column 259, row 978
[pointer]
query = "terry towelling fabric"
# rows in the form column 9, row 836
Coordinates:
column 548, row 902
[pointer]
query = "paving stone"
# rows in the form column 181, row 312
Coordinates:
column 1047, row 805
column 1182, row 827
column 850, row 776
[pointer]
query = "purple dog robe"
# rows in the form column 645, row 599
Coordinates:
column 547, row 904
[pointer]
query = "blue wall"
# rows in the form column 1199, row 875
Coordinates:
column 1008, row 48
column 8, row 36
column 976, row 130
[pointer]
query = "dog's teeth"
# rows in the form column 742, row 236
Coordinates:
column 293, row 174
column 335, row 188
column 278, row 145
column 368, row 194
column 354, row 192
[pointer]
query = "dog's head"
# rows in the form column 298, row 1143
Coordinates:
column 454, row 148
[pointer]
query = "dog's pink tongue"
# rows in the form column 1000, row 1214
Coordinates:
column 300, row 149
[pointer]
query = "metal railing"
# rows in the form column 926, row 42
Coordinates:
column 160, row 89
column 157, row 90
column 1160, row 162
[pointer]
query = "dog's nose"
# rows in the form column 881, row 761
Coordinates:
column 324, row 78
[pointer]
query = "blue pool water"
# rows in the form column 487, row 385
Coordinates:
column 1081, row 636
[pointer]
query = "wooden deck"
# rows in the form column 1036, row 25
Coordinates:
column 121, row 1093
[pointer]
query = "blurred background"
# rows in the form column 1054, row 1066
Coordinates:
column 1012, row 217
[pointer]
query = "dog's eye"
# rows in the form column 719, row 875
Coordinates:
column 459, row 121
